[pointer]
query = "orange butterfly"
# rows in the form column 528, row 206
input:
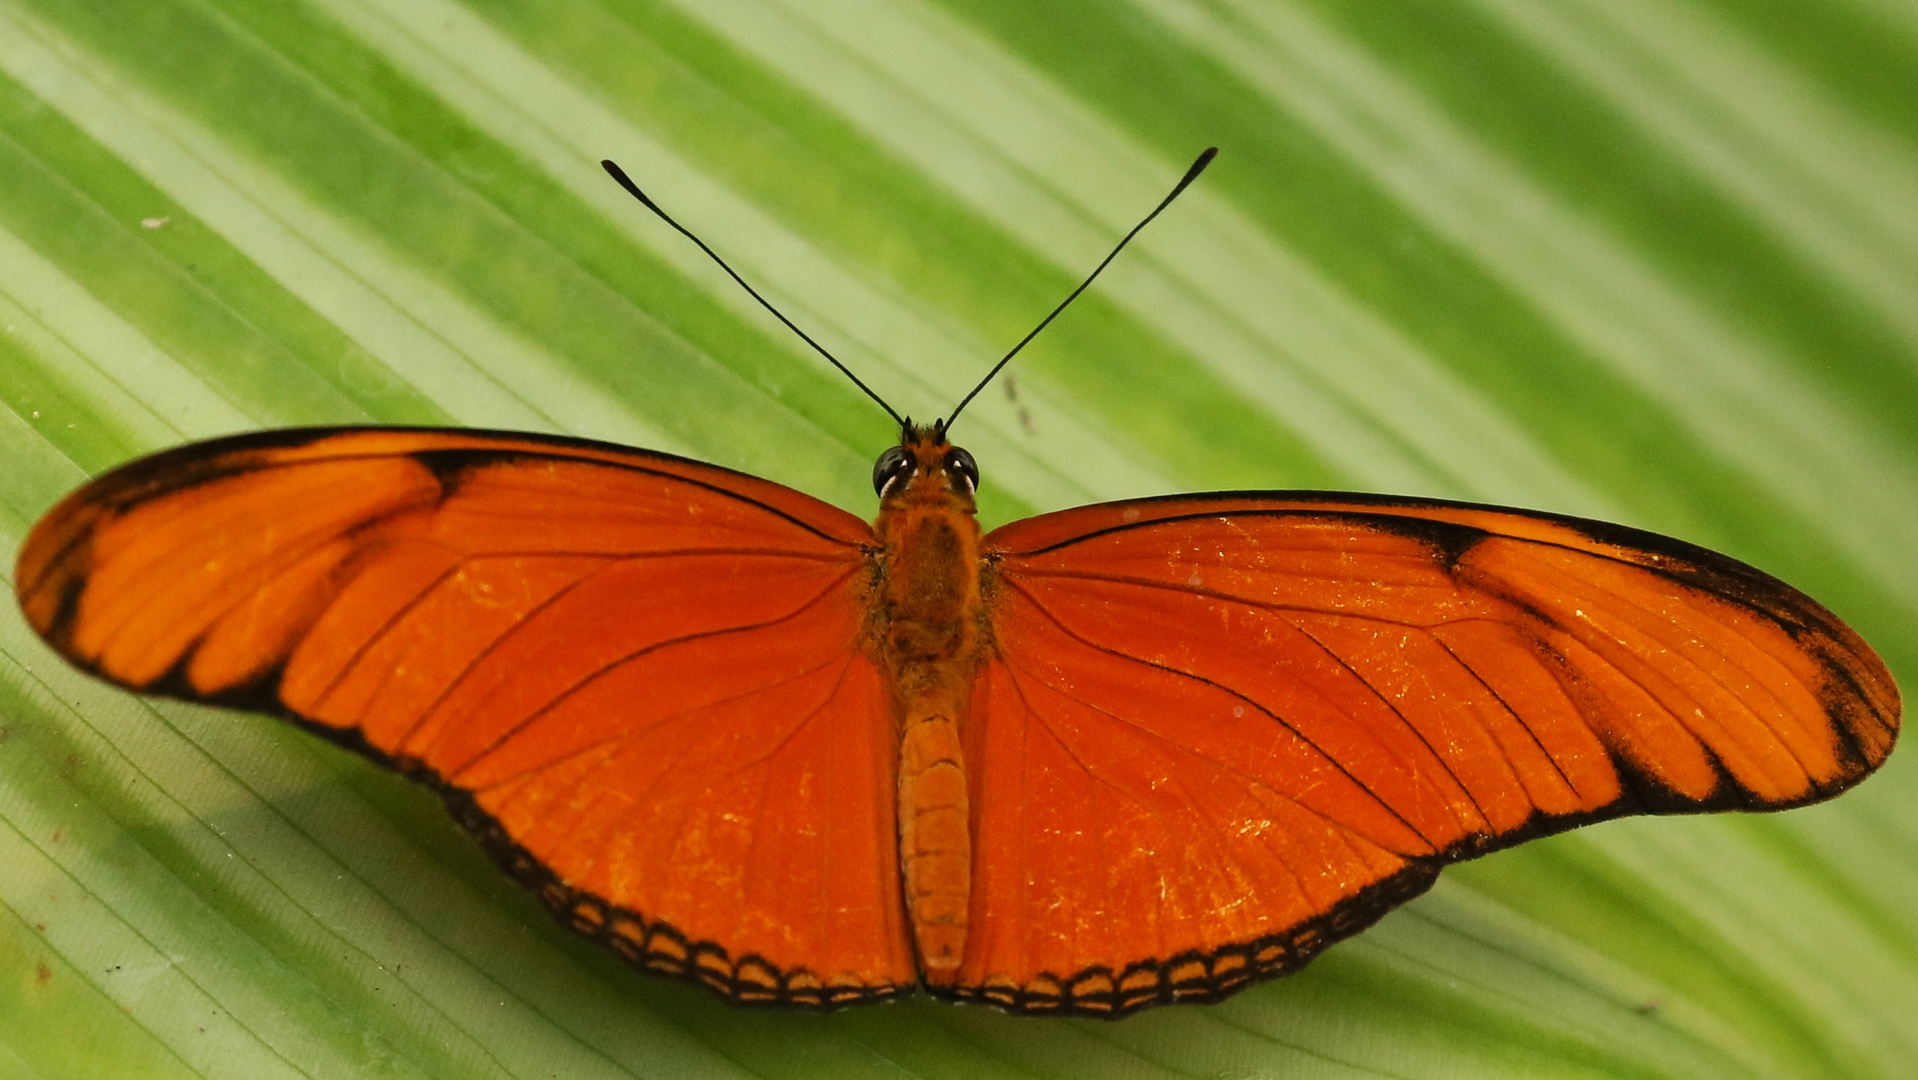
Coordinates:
column 1092, row 761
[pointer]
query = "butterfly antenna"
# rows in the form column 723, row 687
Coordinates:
column 632, row 189
column 1184, row 182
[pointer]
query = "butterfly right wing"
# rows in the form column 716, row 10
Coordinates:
column 640, row 680
column 1214, row 734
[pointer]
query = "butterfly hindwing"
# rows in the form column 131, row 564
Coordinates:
column 639, row 679
column 1213, row 734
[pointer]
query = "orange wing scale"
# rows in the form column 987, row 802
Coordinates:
column 1215, row 734
column 666, row 722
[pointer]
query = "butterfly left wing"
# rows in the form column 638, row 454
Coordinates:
column 640, row 680
column 1212, row 735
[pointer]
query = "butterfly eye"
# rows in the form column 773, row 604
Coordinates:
column 893, row 466
column 961, row 467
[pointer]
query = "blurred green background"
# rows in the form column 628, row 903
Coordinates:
column 1654, row 261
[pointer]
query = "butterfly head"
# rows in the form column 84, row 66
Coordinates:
column 925, row 468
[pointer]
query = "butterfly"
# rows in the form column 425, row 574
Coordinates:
column 1096, row 760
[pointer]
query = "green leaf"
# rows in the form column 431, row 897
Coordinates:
column 1648, row 260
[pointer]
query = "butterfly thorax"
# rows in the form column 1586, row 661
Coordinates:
column 926, row 637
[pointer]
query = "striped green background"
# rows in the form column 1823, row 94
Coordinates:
column 1648, row 260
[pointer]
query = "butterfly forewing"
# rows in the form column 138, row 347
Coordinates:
column 641, row 680
column 1213, row 734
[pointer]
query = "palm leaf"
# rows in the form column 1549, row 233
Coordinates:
column 1645, row 260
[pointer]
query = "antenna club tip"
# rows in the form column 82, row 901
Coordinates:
column 1198, row 166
